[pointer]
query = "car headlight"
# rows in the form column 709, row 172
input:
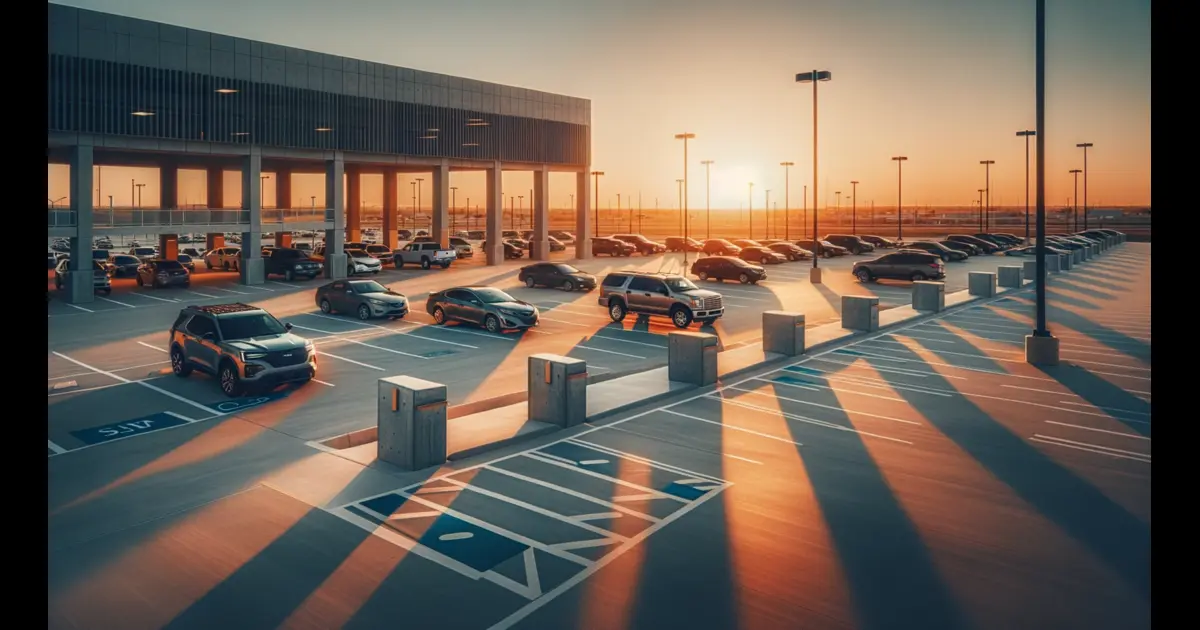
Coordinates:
column 299, row 267
column 247, row 356
column 377, row 302
column 697, row 302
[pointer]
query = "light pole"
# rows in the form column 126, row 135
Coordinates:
column 900, row 160
column 417, row 209
column 814, row 77
column 838, row 211
column 618, row 221
column 987, row 186
column 512, row 211
column 750, row 209
column 787, row 193
column 596, row 205
column 767, row 209
column 133, row 193
column 685, row 137
column 414, row 203
column 854, row 207
column 520, row 208
column 1026, row 134
column 804, row 216
column 639, row 216
column 453, row 203
column 1075, row 205
column 981, row 191
column 139, row 194
column 1041, row 348
column 680, row 202
column 1085, row 146
column 707, row 200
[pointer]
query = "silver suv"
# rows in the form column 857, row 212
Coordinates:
column 668, row 294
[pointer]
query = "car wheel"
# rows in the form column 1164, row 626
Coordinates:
column 231, row 383
column 529, row 281
column 945, row 257
column 827, row 254
column 225, row 266
column 492, row 323
column 106, row 291
column 58, row 284
column 445, row 265
column 140, row 282
column 743, row 278
column 863, row 275
column 792, row 257
column 917, row 276
column 287, row 275
column 703, row 275
column 364, row 312
column 568, row 286
column 681, row 317
column 439, row 316
column 236, row 266
column 616, row 310
column 179, row 364
column 326, row 307
column 424, row 263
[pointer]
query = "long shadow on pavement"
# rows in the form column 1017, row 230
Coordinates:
column 1103, row 394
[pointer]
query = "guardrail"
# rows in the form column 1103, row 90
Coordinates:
column 137, row 217
column 58, row 217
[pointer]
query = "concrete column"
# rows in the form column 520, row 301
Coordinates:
column 168, row 185
column 216, row 187
column 440, row 204
column 250, row 265
column 539, row 248
column 929, row 297
column 583, row 215
column 283, row 189
column 214, row 240
column 860, row 312
column 412, row 422
column 783, row 332
column 495, row 215
column 353, row 204
column 1011, row 277
column 981, row 283
column 692, row 358
column 168, row 246
column 557, row 390
column 283, row 239
column 335, row 260
column 391, row 206
column 79, row 281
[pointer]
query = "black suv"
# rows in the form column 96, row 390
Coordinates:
column 905, row 264
column 988, row 248
column 939, row 250
column 611, row 246
column 852, row 244
column 722, row 268
column 643, row 245
column 243, row 346
column 291, row 263
column 557, row 275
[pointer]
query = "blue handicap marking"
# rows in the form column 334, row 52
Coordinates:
column 853, row 353
column 802, row 370
column 432, row 354
column 237, row 404
column 474, row 546
column 605, row 464
column 108, row 432
column 792, row 380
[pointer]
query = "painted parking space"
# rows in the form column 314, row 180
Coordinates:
column 97, row 416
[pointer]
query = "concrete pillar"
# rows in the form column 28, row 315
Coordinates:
column 335, row 259
column 283, row 239
column 412, row 422
column 440, row 204
column 250, row 265
column 283, row 189
column 557, row 390
column 1067, row 261
column 692, row 358
column 1076, row 256
column 168, row 246
column 860, row 312
column 216, row 187
column 1010, row 276
column 1029, row 270
column 79, row 281
column 168, row 185
column 1054, row 263
column 391, row 206
column 1041, row 350
column 929, row 297
column 583, row 215
column 353, row 204
column 539, row 249
column 1083, row 254
column 495, row 215
column 1095, row 250
column 214, row 240
column 783, row 332
column 981, row 283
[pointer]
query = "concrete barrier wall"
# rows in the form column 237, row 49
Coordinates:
column 412, row 422
column 1010, row 277
column 860, row 312
column 929, row 297
column 692, row 358
column 981, row 283
column 783, row 332
column 1054, row 263
column 557, row 390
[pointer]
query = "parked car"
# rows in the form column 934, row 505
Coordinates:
column 144, row 253
column 721, row 268
column 124, row 265
column 988, row 248
column 878, row 241
column 1000, row 242
column 359, row 261
column 672, row 295
column 462, row 249
column 565, row 237
column 382, row 252
column 510, row 234
column 1064, row 243
column 187, row 262
column 681, row 244
column 511, row 252
column 364, row 298
column 223, row 258
column 100, row 281
column 1031, row 250
column 291, row 264
column 52, row 259
column 558, row 275
column 901, row 265
column 719, row 247
column 404, row 235
column 825, row 249
column 556, row 245
column 761, row 255
column 641, row 244
column 611, row 247
column 788, row 249
column 491, row 308
column 939, row 250
column 746, row 242
column 242, row 346
column 1012, row 239
column 163, row 273
column 850, row 243
column 190, row 251
column 424, row 254
column 966, row 248
column 519, row 243
column 476, row 235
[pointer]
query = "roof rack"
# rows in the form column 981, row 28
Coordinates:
column 650, row 273
column 225, row 309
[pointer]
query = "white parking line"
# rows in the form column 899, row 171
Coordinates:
column 200, row 294
column 118, row 377
column 367, row 345
column 757, row 392
column 229, row 290
column 1069, row 333
column 257, row 288
column 143, row 343
column 124, row 369
column 58, row 450
column 620, row 354
column 115, row 302
column 294, row 286
column 151, row 297
column 85, row 310
column 1091, row 448
column 334, row 356
column 799, row 418
column 1113, row 409
column 636, row 343
column 323, row 383
column 730, row 426
column 1080, row 426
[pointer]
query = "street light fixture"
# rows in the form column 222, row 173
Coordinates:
column 1075, row 199
column 750, row 209
column 707, row 198
column 787, row 193
column 417, row 209
column 680, row 183
column 520, row 209
column 1026, row 134
column 685, row 137
column 854, row 207
column 139, row 194
column 1085, row 146
column 814, row 77
column 262, row 190
column 838, row 211
column 986, row 215
column 767, row 209
column 596, row 204
column 981, row 191
column 414, row 204
column 900, row 160
column 453, row 203
column 1041, row 348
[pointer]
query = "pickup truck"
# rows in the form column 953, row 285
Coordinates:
column 424, row 254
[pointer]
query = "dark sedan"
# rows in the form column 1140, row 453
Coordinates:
column 720, row 247
column 761, row 255
column 611, row 247
column 1000, row 242
column 1031, row 250
column 901, row 265
column 878, row 241
column 788, row 250
column 124, row 265
column 491, row 308
column 722, row 268
column 643, row 245
column 827, row 249
column 681, row 244
column 965, row 248
column 939, row 250
column 364, row 298
column 556, row 275
column 988, row 248
column 163, row 273
column 187, row 262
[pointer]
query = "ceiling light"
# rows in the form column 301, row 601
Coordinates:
column 241, row 133
column 474, row 120
column 226, row 91
column 477, row 124
column 470, row 144
column 432, row 130
column 324, row 129
column 142, row 113
column 429, row 137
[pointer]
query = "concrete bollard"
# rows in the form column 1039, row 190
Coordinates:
column 1054, row 263
column 557, row 390
column 692, row 358
column 1029, row 269
column 928, row 297
column 1095, row 250
column 783, row 332
column 412, row 422
column 1010, row 277
column 1067, row 261
column 981, row 283
column 860, row 312
column 1078, row 256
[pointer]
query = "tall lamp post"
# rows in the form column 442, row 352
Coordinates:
column 707, row 197
column 750, row 209
column 787, row 198
column 1041, row 348
column 596, row 205
column 453, row 203
column 685, row 137
column 1085, row 146
column 679, row 182
column 520, row 210
column 767, row 208
column 139, row 196
column 981, row 191
column 417, row 208
column 838, row 212
column 1075, row 204
column 854, row 207
column 1026, row 134
column 900, row 160
column 986, row 215
column 804, row 214
column 814, row 77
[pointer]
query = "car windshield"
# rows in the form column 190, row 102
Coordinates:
column 493, row 296
column 184, row 258
column 144, row 251
column 249, row 326
column 567, row 269
column 827, row 244
column 169, row 264
column 99, row 254
column 124, row 260
column 358, row 253
column 368, row 286
column 680, row 284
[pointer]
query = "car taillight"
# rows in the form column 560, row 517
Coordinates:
column 935, row 265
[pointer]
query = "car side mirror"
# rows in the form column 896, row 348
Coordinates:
column 208, row 336
column 287, row 326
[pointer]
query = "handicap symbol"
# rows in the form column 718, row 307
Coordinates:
column 242, row 403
